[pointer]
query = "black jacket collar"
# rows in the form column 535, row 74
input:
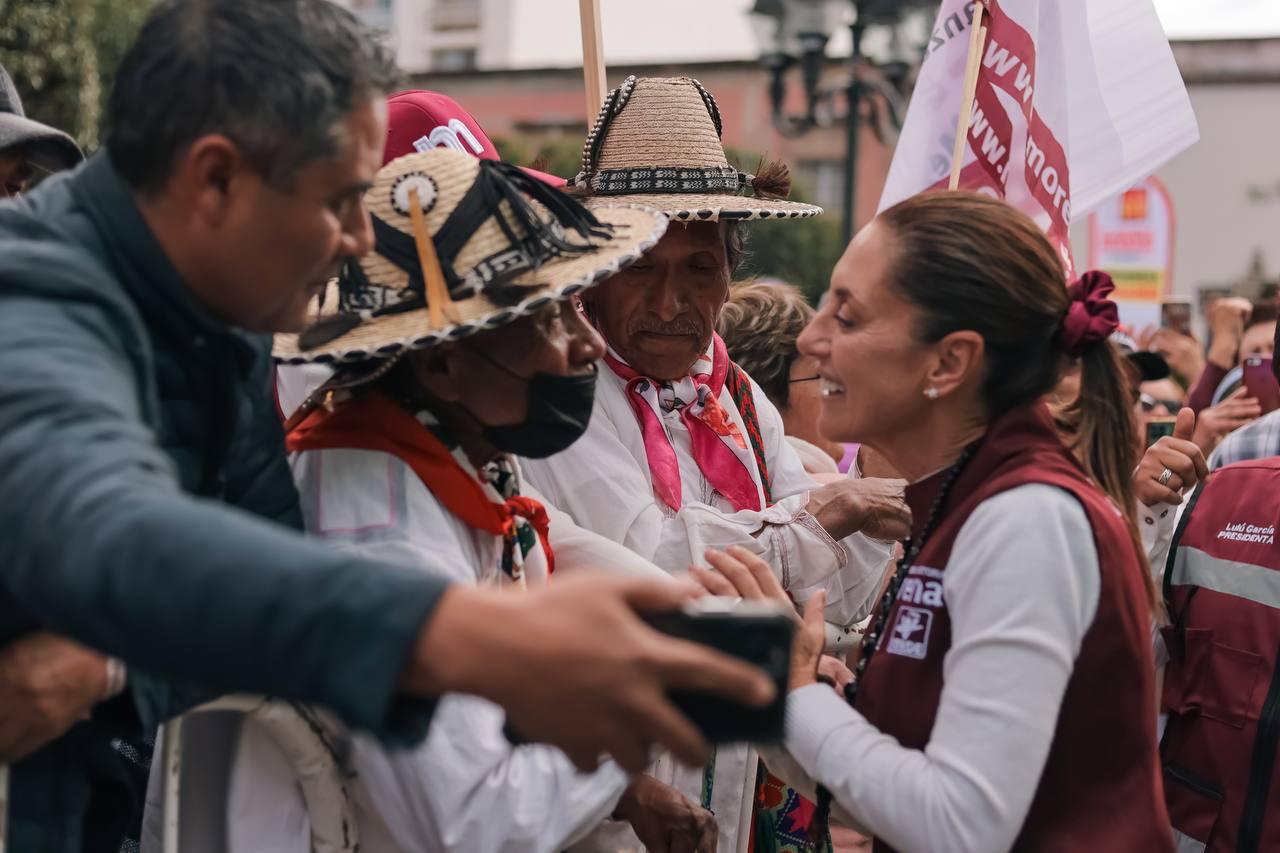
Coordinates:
column 145, row 271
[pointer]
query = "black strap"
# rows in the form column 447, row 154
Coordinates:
column 475, row 207
column 739, row 386
column 1171, row 557
column 1177, row 645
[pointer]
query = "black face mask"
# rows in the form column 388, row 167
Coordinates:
column 559, row 410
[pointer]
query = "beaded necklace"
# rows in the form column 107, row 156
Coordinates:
column 911, row 551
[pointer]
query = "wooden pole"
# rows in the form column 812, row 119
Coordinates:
column 977, row 42
column 592, row 57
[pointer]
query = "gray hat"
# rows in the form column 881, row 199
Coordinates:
column 44, row 146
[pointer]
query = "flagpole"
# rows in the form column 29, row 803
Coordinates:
column 592, row 56
column 977, row 40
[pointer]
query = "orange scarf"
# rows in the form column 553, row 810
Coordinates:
column 374, row 422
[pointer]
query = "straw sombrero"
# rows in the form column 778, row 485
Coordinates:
column 490, row 244
column 657, row 142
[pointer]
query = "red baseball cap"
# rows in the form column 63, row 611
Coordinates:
column 418, row 120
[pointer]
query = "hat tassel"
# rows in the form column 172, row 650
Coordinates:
column 440, row 305
column 771, row 180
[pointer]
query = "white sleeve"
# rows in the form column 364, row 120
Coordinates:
column 577, row 548
column 803, row 555
column 466, row 788
column 1157, row 525
column 370, row 503
column 1021, row 589
column 814, row 459
column 599, row 483
column 853, row 583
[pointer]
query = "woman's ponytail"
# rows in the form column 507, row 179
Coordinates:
column 1101, row 417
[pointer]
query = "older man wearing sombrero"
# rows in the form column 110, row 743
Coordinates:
column 457, row 343
column 684, row 452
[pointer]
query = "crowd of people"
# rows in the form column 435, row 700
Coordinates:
column 311, row 401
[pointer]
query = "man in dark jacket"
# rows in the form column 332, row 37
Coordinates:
column 28, row 147
column 144, row 493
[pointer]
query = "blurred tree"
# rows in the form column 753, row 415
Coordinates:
column 560, row 155
column 63, row 54
column 799, row 251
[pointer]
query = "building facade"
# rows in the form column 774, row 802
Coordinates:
column 442, row 35
column 513, row 63
column 1226, row 189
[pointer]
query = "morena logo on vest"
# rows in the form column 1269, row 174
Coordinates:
column 910, row 635
column 917, row 591
column 912, row 626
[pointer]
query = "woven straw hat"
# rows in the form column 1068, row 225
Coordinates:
column 657, row 142
column 497, row 245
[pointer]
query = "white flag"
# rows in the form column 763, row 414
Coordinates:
column 1077, row 100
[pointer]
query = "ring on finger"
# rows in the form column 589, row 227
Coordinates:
column 1164, row 477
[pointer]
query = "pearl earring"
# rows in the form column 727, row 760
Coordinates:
column 931, row 393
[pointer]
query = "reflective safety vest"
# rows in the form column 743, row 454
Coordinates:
column 1222, row 684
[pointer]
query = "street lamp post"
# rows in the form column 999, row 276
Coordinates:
column 793, row 32
column 852, row 112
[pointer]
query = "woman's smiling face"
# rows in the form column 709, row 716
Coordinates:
column 873, row 369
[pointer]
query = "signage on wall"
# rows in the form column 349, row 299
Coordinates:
column 1131, row 237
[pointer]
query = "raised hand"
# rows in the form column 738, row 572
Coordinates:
column 1216, row 422
column 1183, row 354
column 1227, row 318
column 1179, row 455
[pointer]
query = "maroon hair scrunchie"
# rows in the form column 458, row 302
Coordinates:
column 1091, row 317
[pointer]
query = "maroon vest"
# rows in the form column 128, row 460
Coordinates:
column 1100, row 789
column 1222, row 685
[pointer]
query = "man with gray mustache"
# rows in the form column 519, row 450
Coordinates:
column 684, row 452
column 658, row 319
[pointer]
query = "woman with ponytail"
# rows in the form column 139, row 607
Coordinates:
column 1003, row 697
column 1098, row 425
